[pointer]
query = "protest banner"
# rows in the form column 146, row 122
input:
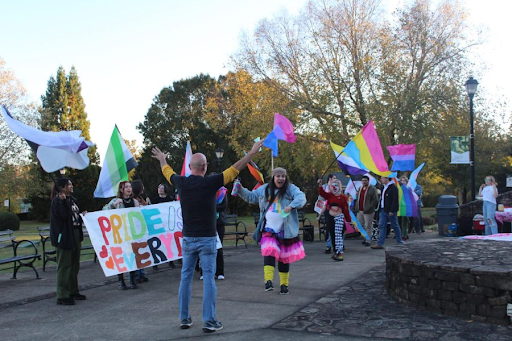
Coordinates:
column 135, row 238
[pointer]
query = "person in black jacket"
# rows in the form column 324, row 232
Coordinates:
column 66, row 236
column 388, row 212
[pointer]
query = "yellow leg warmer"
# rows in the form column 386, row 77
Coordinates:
column 284, row 278
column 268, row 273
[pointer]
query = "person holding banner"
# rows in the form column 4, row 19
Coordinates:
column 143, row 200
column 124, row 199
column 279, row 226
column 489, row 193
column 337, row 204
column 66, row 236
column 197, row 194
column 163, row 195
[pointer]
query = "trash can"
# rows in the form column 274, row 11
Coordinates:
column 447, row 213
column 478, row 224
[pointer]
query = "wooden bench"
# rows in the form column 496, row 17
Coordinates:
column 7, row 239
column 240, row 229
column 307, row 227
column 50, row 254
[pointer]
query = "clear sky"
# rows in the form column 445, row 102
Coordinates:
column 126, row 51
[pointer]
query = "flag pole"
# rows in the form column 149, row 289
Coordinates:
column 271, row 161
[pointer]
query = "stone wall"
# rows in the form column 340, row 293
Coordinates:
column 465, row 278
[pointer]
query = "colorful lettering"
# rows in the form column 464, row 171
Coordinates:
column 104, row 227
column 151, row 221
column 132, row 217
column 139, row 257
column 155, row 243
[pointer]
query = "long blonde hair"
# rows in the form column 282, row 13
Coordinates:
column 492, row 179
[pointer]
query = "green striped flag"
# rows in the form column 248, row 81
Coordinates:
column 118, row 162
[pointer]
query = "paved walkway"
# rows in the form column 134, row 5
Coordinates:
column 328, row 300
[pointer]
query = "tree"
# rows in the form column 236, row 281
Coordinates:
column 13, row 149
column 341, row 63
column 63, row 109
column 176, row 116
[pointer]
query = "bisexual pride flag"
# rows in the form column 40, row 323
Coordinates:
column 403, row 156
column 283, row 130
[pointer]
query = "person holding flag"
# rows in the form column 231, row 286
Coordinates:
column 198, row 203
column 278, row 226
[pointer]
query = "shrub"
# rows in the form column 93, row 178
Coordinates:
column 9, row 221
column 430, row 220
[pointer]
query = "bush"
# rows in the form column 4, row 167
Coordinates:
column 430, row 220
column 9, row 221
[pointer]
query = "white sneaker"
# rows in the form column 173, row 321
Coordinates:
column 201, row 278
column 221, row 277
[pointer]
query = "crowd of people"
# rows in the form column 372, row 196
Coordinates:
column 203, row 203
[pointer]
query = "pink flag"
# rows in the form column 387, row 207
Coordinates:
column 286, row 127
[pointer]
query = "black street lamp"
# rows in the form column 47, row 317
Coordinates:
column 471, row 85
column 219, row 153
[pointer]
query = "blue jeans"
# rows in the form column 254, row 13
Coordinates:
column 384, row 218
column 206, row 249
column 489, row 211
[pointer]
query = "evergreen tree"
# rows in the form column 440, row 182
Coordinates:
column 63, row 109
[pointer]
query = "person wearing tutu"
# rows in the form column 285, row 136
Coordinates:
column 278, row 201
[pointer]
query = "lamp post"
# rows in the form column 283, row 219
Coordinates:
column 62, row 172
column 471, row 85
column 219, row 153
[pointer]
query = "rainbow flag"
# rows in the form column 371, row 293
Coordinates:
column 403, row 156
column 408, row 206
column 365, row 149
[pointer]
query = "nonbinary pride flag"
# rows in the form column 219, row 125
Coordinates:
column 118, row 163
column 403, row 156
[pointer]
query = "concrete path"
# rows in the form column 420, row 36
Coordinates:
column 29, row 311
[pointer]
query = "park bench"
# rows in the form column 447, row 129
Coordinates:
column 240, row 229
column 27, row 259
column 50, row 254
column 307, row 228
column 322, row 228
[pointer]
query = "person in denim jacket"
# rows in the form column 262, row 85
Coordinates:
column 279, row 226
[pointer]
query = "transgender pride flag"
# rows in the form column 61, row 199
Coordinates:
column 403, row 156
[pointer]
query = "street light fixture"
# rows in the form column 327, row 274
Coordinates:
column 62, row 171
column 219, row 153
column 471, row 85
